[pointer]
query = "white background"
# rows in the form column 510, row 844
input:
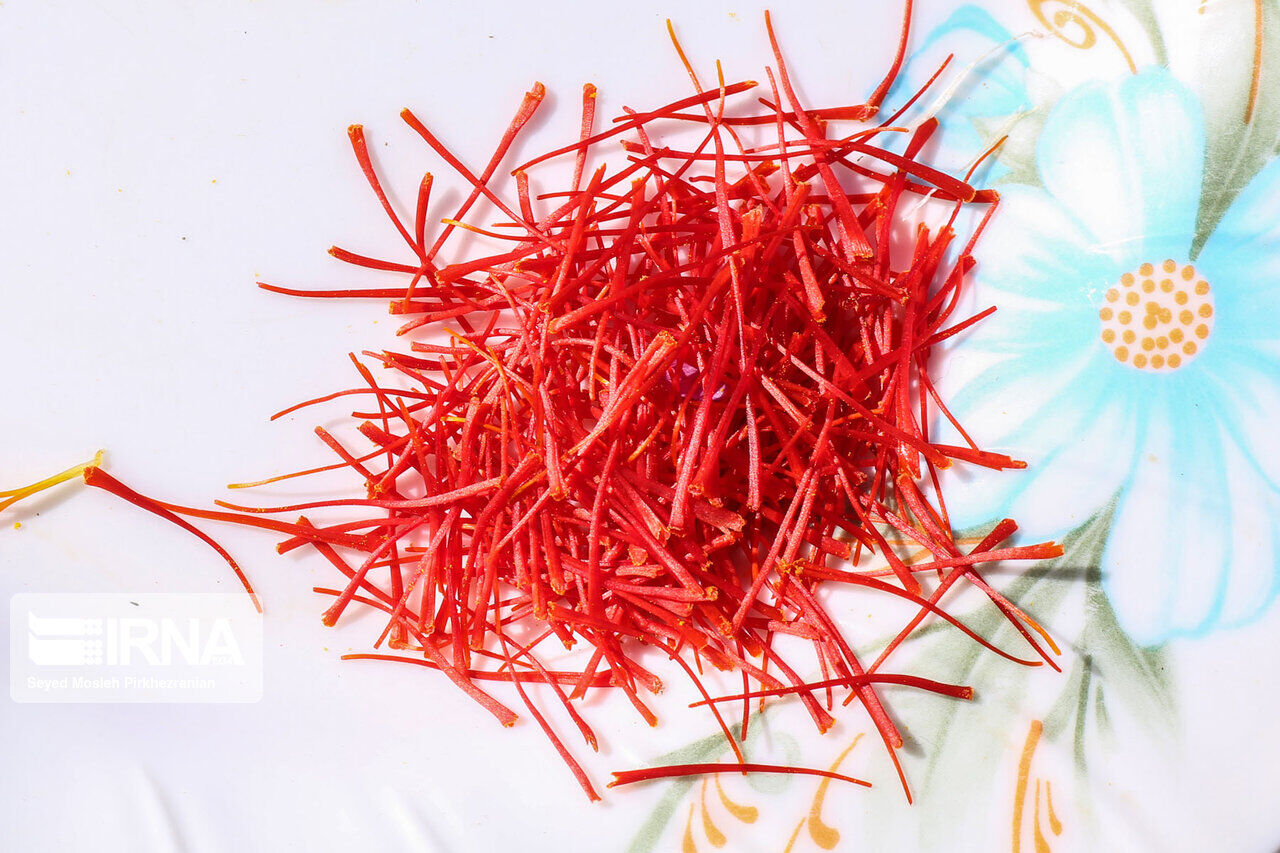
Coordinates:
column 157, row 160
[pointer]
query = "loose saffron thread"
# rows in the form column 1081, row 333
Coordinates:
column 647, row 774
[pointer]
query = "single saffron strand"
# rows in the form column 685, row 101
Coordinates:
column 95, row 476
column 646, row 774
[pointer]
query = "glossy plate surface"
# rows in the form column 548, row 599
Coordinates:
column 160, row 158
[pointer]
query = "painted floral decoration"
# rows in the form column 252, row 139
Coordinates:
column 1128, row 368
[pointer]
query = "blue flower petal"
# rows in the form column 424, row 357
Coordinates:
column 1241, row 261
column 1247, row 389
column 993, row 67
column 994, row 87
column 1034, row 380
column 1194, row 543
column 1065, row 420
column 1069, row 485
column 1140, row 568
column 1200, row 529
column 1036, row 268
column 1035, row 248
column 1127, row 159
column 1253, row 578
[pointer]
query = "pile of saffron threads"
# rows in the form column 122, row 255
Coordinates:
column 689, row 392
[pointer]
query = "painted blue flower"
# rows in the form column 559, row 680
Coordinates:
column 990, row 68
column 1129, row 374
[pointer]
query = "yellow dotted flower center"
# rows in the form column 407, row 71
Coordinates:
column 1158, row 317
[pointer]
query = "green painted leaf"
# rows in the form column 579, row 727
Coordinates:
column 1138, row 677
column 699, row 752
column 1237, row 150
column 1041, row 590
column 957, row 738
column 1145, row 12
column 707, row 750
column 1018, row 154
